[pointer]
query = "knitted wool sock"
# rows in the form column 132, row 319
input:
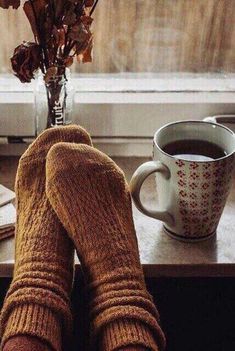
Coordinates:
column 37, row 302
column 91, row 197
column 26, row 343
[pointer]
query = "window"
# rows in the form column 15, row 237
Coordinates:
column 154, row 61
column 147, row 36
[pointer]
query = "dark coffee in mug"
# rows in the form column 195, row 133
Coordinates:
column 193, row 176
column 194, row 150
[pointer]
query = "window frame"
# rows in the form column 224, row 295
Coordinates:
column 121, row 97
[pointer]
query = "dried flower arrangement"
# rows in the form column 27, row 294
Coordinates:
column 62, row 33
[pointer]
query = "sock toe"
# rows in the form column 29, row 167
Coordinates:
column 43, row 143
column 64, row 157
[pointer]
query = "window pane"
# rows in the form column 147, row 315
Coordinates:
column 147, row 36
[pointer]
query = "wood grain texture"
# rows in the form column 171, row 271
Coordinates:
column 147, row 36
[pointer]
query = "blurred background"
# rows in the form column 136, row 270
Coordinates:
column 147, row 36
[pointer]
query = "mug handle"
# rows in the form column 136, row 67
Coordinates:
column 137, row 180
column 221, row 119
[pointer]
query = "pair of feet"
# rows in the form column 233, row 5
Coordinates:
column 71, row 195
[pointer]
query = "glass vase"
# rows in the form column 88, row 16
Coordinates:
column 54, row 101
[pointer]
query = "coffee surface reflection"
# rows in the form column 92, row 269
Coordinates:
column 194, row 150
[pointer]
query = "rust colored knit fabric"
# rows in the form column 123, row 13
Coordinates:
column 38, row 300
column 29, row 343
column 26, row 343
column 90, row 196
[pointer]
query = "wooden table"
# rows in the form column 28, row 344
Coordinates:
column 161, row 256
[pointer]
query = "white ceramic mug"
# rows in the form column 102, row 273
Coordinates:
column 191, row 194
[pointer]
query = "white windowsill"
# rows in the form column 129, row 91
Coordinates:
column 121, row 111
column 134, row 88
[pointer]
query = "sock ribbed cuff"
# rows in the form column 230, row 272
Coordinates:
column 34, row 320
column 122, row 333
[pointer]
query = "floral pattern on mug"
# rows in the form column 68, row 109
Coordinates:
column 202, row 192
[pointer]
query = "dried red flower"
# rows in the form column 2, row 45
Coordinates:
column 86, row 55
column 50, row 74
column 89, row 3
column 79, row 33
column 35, row 12
column 62, row 31
column 26, row 60
column 5, row 4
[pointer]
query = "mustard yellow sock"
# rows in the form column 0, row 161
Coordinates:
column 38, row 300
column 91, row 198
